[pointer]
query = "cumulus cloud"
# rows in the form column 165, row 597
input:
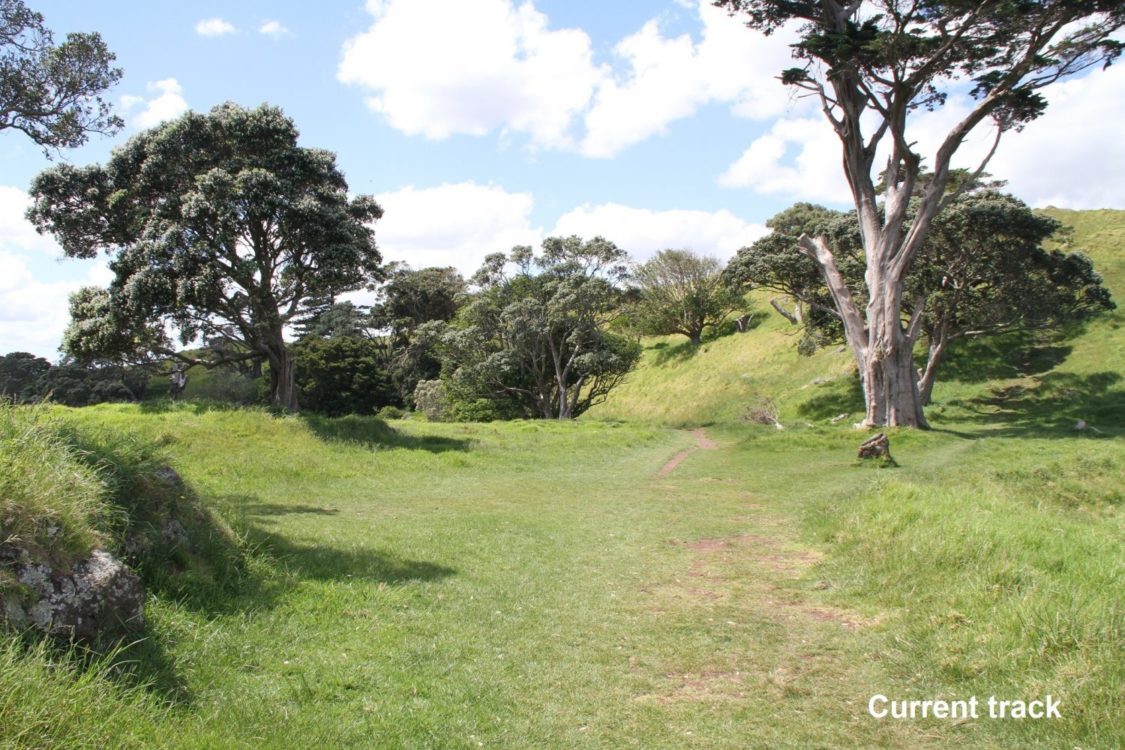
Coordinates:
column 487, row 66
column 454, row 224
column 16, row 232
column 493, row 66
column 798, row 158
column 1070, row 157
column 33, row 312
column 214, row 27
column 274, row 29
column 167, row 103
column 643, row 232
column 671, row 78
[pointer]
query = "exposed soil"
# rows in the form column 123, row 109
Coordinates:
column 702, row 443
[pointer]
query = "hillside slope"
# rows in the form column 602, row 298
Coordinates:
column 1074, row 374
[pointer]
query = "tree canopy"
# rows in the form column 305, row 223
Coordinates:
column 683, row 293
column 538, row 339
column 52, row 92
column 982, row 270
column 871, row 65
column 218, row 225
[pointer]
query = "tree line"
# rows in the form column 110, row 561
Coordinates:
column 225, row 236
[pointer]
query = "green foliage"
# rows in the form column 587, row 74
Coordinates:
column 431, row 399
column 52, row 92
column 226, row 385
column 537, row 340
column 25, row 378
column 220, row 225
column 982, row 270
column 21, row 377
column 683, row 293
column 342, row 375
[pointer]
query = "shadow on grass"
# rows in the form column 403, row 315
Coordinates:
column 1052, row 406
column 324, row 563
column 282, row 509
column 678, row 352
column 372, row 432
column 842, row 396
column 1013, row 355
column 184, row 406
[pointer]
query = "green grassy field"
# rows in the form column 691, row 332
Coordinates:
column 625, row 582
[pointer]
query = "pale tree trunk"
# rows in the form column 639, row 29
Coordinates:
column 883, row 348
column 938, row 342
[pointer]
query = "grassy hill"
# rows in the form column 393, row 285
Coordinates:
column 1058, row 378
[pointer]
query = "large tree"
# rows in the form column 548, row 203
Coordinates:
column 983, row 270
column 218, row 225
column 871, row 65
column 538, row 338
column 48, row 91
column 683, row 293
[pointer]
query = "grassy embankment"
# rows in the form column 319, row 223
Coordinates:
column 541, row 584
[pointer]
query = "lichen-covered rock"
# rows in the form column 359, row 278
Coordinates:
column 99, row 597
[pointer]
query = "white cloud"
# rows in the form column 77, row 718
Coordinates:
column 1070, row 157
column 16, row 232
column 642, row 232
column 33, row 312
column 168, row 103
column 799, row 158
column 1073, row 156
column 214, row 27
column 671, row 78
column 453, row 224
column 487, row 66
column 274, row 29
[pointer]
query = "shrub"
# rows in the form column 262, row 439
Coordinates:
column 390, row 412
column 342, row 375
column 431, row 399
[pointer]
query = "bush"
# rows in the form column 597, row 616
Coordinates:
column 342, row 375
column 431, row 399
column 390, row 412
column 225, row 385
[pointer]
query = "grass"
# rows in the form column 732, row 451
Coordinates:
column 536, row 584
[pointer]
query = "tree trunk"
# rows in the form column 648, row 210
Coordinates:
column 883, row 349
column 283, row 387
column 938, row 341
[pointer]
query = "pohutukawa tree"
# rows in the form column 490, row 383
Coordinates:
column 683, row 293
column 871, row 65
column 218, row 226
column 51, row 92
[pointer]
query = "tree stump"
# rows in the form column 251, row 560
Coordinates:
column 877, row 447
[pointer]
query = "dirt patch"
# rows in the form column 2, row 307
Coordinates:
column 675, row 461
column 702, row 442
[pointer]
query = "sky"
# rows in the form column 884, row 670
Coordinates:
column 483, row 124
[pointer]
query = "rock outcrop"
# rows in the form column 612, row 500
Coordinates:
column 98, row 597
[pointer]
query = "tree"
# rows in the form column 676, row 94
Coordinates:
column 218, row 225
column 50, row 92
column 21, row 377
column 342, row 375
column 871, row 65
column 982, row 271
column 775, row 263
column 538, row 339
column 683, row 293
column 407, row 301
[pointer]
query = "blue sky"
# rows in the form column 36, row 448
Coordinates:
column 481, row 124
